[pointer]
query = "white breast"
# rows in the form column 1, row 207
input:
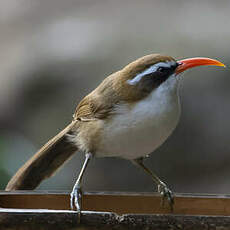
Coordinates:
column 137, row 131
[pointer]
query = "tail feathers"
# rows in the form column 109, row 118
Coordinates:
column 44, row 163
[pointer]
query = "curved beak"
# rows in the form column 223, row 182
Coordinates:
column 193, row 62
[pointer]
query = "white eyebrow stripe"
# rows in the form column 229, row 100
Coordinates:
column 150, row 70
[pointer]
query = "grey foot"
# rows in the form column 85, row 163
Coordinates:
column 166, row 194
column 76, row 199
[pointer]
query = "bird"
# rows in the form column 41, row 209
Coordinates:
column 129, row 115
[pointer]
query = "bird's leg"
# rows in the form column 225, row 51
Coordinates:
column 76, row 194
column 161, row 186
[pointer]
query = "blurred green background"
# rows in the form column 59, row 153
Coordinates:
column 54, row 52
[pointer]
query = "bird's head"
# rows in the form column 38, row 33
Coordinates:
column 147, row 73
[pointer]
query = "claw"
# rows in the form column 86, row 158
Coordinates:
column 166, row 194
column 76, row 200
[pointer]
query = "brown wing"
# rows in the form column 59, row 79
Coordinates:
column 100, row 103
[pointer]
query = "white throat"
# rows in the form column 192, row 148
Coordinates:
column 137, row 131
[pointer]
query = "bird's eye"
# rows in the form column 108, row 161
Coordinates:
column 161, row 69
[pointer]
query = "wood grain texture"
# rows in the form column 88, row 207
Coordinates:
column 67, row 220
column 24, row 219
column 120, row 203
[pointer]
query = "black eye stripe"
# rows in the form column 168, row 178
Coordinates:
column 153, row 80
column 164, row 69
column 160, row 68
column 152, row 76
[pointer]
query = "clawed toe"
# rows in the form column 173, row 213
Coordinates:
column 166, row 194
column 75, row 199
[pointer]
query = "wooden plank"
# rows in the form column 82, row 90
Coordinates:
column 120, row 203
column 106, row 211
column 29, row 219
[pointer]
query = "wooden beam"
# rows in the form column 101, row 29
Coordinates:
column 44, row 210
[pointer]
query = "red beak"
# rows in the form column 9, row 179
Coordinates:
column 193, row 62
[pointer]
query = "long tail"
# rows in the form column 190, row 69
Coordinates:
column 44, row 163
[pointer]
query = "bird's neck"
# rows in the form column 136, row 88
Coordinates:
column 168, row 89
